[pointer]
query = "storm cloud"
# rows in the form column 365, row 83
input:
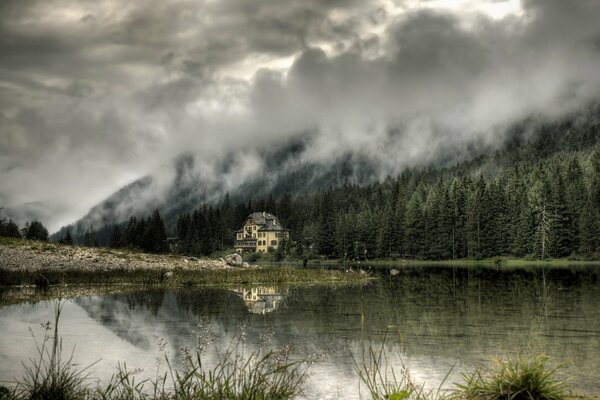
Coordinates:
column 95, row 94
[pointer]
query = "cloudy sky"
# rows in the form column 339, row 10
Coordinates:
column 97, row 93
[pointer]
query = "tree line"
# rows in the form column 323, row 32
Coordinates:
column 33, row 230
column 548, row 208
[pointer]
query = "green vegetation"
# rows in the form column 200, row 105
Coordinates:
column 49, row 376
column 386, row 383
column 8, row 228
column 521, row 379
column 216, row 277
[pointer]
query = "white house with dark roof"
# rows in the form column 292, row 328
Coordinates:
column 261, row 231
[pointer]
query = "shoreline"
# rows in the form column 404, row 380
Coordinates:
column 488, row 262
column 43, row 264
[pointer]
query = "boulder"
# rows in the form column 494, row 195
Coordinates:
column 234, row 260
column 245, row 264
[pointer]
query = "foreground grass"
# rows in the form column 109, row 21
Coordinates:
column 521, row 379
column 271, row 375
column 524, row 378
column 260, row 375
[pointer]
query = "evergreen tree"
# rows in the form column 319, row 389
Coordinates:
column 67, row 238
column 326, row 226
column 9, row 229
column 116, row 238
column 154, row 239
column 385, row 234
column 414, row 226
column 35, row 231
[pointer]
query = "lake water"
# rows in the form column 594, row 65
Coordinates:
column 435, row 320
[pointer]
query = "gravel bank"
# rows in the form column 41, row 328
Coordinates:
column 32, row 256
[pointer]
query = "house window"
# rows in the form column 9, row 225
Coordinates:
column 273, row 242
column 254, row 235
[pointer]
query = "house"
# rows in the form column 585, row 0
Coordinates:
column 260, row 233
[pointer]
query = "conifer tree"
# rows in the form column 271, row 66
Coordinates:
column 35, row 231
column 414, row 226
column 116, row 237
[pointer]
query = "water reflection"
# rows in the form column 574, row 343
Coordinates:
column 262, row 299
column 435, row 318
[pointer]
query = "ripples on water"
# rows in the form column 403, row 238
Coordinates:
column 436, row 319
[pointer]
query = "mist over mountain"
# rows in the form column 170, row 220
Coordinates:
column 97, row 95
column 187, row 182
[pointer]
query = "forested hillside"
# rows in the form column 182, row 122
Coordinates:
column 539, row 197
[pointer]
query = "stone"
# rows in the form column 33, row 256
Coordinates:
column 245, row 264
column 234, row 260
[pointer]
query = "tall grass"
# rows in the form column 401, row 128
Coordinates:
column 523, row 378
column 520, row 379
column 270, row 375
column 259, row 375
column 48, row 375
column 384, row 382
column 49, row 277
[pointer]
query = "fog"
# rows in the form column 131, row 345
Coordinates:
column 97, row 94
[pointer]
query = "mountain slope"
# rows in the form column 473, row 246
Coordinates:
column 189, row 182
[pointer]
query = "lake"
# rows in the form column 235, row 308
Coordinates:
column 434, row 319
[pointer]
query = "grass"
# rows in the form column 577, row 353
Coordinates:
column 260, row 375
column 177, row 278
column 520, row 379
column 271, row 375
column 524, row 378
column 386, row 383
column 49, row 376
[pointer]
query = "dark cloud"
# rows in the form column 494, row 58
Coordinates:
column 94, row 94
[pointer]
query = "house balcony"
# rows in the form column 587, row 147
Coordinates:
column 245, row 243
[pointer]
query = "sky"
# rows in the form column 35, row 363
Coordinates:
column 95, row 94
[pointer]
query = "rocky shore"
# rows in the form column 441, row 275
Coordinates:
column 31, row 256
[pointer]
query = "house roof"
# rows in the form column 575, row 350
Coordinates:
column 261, row 218
column 266, row 221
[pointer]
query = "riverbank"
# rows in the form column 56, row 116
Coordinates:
column 44, row 264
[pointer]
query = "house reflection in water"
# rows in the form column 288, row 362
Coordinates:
column 262, row 299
